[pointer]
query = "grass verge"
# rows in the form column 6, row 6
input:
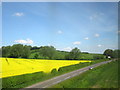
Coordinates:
column 104, row 76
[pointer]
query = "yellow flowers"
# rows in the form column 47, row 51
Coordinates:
column 13, row 66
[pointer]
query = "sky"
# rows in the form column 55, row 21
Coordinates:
column 90, row 26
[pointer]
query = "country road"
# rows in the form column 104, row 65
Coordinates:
column 58, row 79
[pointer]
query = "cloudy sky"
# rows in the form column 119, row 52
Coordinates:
column 89, row 26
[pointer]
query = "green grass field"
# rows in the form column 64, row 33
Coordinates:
column 61, row 55
column 105, row 76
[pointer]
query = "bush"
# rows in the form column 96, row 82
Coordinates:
column 53, row 71
column 36, row 56
column 60, row 69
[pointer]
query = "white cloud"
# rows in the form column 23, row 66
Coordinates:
column 27, row 41
column 59, row 32
column 86, row 38
column 97, row 35
column 99, row 45
column 67, row 49
column 18, row 14
column 77, row 43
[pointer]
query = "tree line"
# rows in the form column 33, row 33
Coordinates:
column 16, row 51
column 49, row 52
column 112, row 53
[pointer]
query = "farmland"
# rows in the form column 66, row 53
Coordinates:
column 23, row 80
column 23, row 66
column 13, row 66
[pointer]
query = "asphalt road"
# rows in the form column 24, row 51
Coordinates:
column 58, row 79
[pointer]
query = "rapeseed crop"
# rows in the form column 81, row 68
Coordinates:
column 14, row 66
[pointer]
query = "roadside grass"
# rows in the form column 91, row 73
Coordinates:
column 104, row 76
column 25, row 80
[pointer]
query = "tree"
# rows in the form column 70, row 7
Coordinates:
column 35, row 47
column 116, row 53
column 0, row 52
column 20, row 51
column 26, row 51
column 48, row 51
column 85, row 52
column 60, row 55
column 6, row 51
column 74, row 54
column 36, row 56
column 30, row 47
column 16, row 51
column 108, row 52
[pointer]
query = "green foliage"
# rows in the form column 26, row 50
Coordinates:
column 108, row 52
column 116, row 53
column 48, row 51
column 0, row 52
column 86, row 56
column 20, row 79
column 98, row 57
column 35, row 48
column 54, row 71
column 26, row 51
column 16, row 51
column 60, row 55
column 85, row 52
column 33, row 55
column 36, row 56
column 74, row 54
column 72, row 67
column 104, row 76
column 6, row 51
column 112, row 53
column 77, row 66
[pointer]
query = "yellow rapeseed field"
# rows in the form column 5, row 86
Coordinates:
column 13, row 66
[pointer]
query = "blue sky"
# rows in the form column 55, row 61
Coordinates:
column 89, row 26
